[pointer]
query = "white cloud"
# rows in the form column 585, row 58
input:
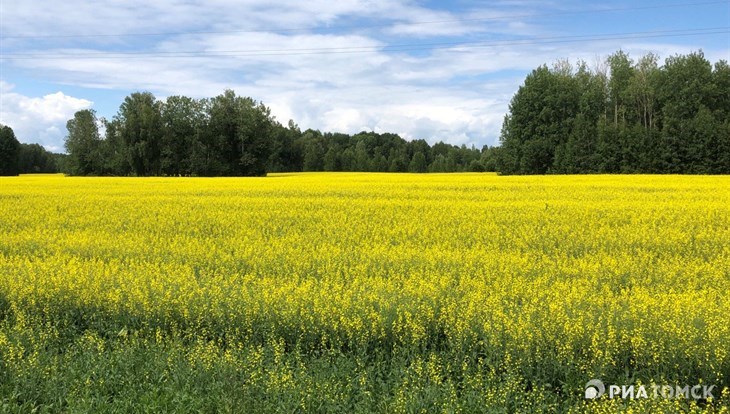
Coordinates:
column 458, row 94
column 442, row 95
column 340, row 92
column 38, row 119
column 143, row 16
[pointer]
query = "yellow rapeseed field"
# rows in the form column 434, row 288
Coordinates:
column 468, row 290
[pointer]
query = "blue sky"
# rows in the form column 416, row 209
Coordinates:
column 441, row 71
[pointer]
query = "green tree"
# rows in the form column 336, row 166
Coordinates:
column 475, row 166
column 488, row 158
column 685, row 89
column 398, row 159
column 641, row 89
column 621, row 67
column 608, row 147
column 361, row 162
column 183, row 121
column 242, row 130
column 540, row 120
column 286, row 149
column 140, row 126
column 418, row 163
column 83, row 144
column 419, row 145
column 438, row 165
column 114, row 150
column 719, row 91
column 633, row 117
column 9, row 151
column 719, row 158
column 347, row 159
column 580, row 153
column 332, row 158
column 33, row 158
column 379, row 163
column 313, row 155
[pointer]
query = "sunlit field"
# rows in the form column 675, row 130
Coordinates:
column 362, row 292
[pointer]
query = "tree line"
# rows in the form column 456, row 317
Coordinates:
column 229, row 135
column 20, row 158
column 625, row 116
column 224, row 136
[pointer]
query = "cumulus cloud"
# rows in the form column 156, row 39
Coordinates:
column 38, row 119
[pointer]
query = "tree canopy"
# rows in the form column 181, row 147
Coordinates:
column 20, row 158
column 632, row 117
column 9, row 151
column 229, row 135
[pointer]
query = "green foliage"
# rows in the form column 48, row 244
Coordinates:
column 418, row 163
column 235, row 136
column 240, row 130
column 18, row 158
column 9, row 151
column 366, row 151
column 631, row 117
column 83, row 143
column 33, row 158
column 332, row 159
column 183, row 121
column 313, row 151
column 140, row 122
column 227, row 135
column 73, row 370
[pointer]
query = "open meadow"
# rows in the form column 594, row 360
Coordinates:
column 362, row 292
